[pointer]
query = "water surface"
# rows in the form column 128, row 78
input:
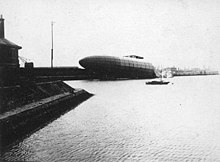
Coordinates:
column 130, row 121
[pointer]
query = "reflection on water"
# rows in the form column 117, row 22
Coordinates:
column 128, row 120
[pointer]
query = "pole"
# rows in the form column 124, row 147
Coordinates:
column 52, row 44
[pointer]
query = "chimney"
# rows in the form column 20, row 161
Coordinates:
column 2, row 32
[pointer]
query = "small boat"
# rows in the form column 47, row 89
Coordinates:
column 157, row 82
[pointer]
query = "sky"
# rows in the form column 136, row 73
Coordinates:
column 181, row 33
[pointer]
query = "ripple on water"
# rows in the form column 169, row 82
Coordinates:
column 139, row 123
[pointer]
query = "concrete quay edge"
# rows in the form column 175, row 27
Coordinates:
column 44, row 103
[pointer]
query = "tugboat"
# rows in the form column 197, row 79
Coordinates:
column 158, row 82
column 155, row 82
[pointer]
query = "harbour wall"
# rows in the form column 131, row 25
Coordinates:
column 26, row 108
column 40, row 74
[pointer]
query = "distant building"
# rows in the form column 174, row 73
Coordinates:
column 194, row 71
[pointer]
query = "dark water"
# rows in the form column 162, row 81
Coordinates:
column 130, row 121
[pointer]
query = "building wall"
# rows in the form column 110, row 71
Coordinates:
column 9, row 65
column 9, row 57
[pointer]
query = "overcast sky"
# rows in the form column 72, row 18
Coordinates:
column 183, row 33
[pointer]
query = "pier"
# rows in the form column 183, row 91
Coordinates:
column 52, row 100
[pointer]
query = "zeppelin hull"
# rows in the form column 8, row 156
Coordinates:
column 110, row 66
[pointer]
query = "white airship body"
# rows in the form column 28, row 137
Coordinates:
column 115, row 67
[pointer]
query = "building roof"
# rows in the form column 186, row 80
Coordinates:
column 5, row 42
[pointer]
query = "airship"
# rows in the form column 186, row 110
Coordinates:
column 130, row 66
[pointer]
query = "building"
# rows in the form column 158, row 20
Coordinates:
column 9, row 63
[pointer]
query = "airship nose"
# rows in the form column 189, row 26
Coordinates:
column 84, row 62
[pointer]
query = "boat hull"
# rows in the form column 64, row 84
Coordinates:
column 115, row 67
column 157, row 83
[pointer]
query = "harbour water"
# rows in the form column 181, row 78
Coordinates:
column 128, row 120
